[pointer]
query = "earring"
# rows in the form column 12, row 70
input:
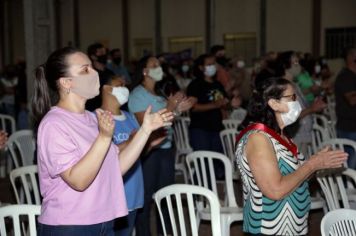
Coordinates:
column 67, row 90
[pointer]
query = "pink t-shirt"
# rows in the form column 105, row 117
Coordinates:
column 63, row 139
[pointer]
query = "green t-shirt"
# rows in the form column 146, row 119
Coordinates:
column 305, row 81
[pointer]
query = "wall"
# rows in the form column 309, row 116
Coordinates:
column 289, row 25
column 339, row 13
column 100, row 23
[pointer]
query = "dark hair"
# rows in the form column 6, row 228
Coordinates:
column 46, row 91
column 93, row 48
column 214, row 49
column 200, row 61
column 283, row 62
column 258, row 108
column 138, row 76
column 115, row 50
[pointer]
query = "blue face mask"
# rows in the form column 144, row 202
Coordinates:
column 210, row 71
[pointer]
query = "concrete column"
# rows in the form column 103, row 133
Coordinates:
column 40, row 35
column 209, row 24
column 158, row 26
column 263, row 23
column 125, row 30
column 316, row 42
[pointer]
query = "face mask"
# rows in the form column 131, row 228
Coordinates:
column 185, row 68
column 121, row 94
column 117, row 60
column 240, row 64
column 86, row 86
column 156, row 74
column 293, row 113
column 210, row 71
column 102, row 59
column 295, row 70
column 317, row 69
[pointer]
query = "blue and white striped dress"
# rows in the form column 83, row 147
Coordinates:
column 263, row 215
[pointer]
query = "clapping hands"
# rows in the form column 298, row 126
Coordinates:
column 153, row 121
column 106, row 123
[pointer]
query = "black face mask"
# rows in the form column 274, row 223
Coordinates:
column 222, row 61
column 102, row 59
column 117, row 60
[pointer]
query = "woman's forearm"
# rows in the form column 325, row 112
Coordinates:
column 133, row 149
column 289, row 183
column 83, row 173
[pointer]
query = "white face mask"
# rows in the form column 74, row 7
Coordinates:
column 317, row 69
column 121, row 94
column 185, row 68
column 210, row 71
column 240, row 64
column 156, row 73
column 294, row 110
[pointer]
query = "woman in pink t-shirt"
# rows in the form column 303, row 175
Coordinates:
column 80, row 169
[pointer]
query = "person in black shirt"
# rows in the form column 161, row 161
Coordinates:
column 345, row 97
column 206, row 115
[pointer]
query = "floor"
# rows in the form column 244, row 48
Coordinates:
column 7, row 196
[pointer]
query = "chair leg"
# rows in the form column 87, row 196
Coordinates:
column 225, row 226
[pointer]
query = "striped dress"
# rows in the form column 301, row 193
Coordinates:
column 263, row 215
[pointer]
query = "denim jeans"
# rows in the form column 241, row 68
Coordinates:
column 351, row 161
column 126, row 224
column 102, row 229
column 158, row 172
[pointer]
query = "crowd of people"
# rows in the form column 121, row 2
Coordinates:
column 111, row 138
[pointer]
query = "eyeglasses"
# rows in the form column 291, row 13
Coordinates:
column 292, row 96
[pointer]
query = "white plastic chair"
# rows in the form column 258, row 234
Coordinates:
column 334, row 188
column 340, row 144
column 14, row 212
column 174, row 194
column 27, row 176
column 181, row 138
column 8, row 124
column 228, row 139
column 202, row 173
column 329, row 125
column 231, row 123
column 238, row 114
column 319, row 136
column 339, row 222
column 21, row 145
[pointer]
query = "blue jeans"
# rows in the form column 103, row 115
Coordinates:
column 351, row 161
column 202, row 140
column 125, row 225
column 106, row 228
column 158, row 172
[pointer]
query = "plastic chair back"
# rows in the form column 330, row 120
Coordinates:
column 173, row 196
column 13, row 213
column 7, row 123
column 201, row 169
column 228, row 138
column 25, row 180
column 21, row 145
column 339, row 222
